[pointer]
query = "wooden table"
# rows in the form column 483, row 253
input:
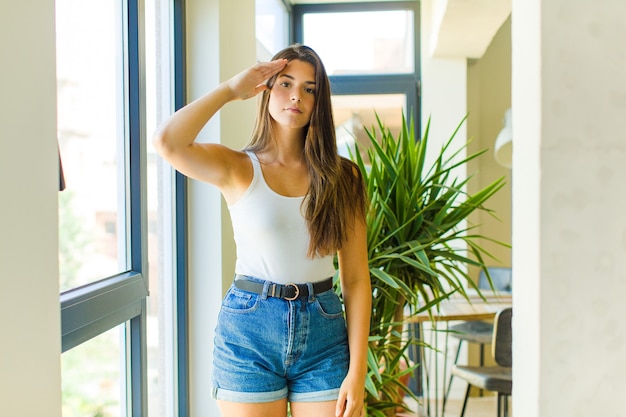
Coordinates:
column 457, row 308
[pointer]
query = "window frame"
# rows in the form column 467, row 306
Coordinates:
column 181, row 219
column 92, row 309
column 408, row 84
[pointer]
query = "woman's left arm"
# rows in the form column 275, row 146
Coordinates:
column 357, row 295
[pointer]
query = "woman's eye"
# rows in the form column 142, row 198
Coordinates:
column 284, row 84
column 310, row 90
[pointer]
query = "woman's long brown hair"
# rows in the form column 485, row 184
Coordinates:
column 336, row 195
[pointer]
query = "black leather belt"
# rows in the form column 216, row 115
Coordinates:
column 284, row 291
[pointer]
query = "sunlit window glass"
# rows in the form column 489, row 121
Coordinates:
column 380, row 42
column 161, row 303
column 93, row 377
column 91, row 138
column 355, row 114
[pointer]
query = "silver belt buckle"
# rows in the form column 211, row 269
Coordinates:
column 297, row 292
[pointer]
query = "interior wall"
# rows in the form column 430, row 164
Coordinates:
column 489, row 96
column 444, row 87
column 220, row 43
column 30, row 346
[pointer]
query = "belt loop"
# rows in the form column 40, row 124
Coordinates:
column 311, row 292
column 266, row 286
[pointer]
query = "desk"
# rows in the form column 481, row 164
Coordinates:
column 454, row 309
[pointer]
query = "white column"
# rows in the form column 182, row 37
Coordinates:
column 444, row 85
column 569, row 227
column 220, row 43
column 30, row 344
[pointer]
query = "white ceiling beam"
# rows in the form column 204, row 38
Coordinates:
column 465, row 28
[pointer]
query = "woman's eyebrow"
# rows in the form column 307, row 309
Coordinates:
column 292, row 78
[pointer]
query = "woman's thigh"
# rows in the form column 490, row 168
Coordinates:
column 270, row 409
column 313, row 409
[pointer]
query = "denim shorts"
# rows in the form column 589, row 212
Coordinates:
column 267, row 348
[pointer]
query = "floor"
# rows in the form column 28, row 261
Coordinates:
column 476, row 407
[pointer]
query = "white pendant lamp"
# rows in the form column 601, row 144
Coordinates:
column 503, row 150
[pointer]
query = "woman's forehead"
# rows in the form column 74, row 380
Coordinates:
column 299, row 69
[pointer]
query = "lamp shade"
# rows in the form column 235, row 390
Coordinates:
column 503, row 150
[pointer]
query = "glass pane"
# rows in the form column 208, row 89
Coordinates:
column 272, row 27
column 93, row 377
column 161, row 307
column 355, row 113
column 380, row 42
column 91, row 138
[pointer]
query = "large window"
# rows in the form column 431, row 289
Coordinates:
column 90, row 65
column 373, row 65
column 123, row 316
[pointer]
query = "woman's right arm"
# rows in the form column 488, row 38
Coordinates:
column 175, row 138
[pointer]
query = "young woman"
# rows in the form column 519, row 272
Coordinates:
column 281, row 335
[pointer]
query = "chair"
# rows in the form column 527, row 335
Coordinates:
column 478, row 331
column 493, row 378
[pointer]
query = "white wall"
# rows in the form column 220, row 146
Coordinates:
column 569, row 228
column 221, row 42
column 444, row 86
column 30, row 345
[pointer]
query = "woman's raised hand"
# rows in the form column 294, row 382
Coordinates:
column 251, row 81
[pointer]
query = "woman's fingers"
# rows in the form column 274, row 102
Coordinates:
column 348, row 406
column 267, row 69
column 350, row 409
column 341, row 404
column 251, row 81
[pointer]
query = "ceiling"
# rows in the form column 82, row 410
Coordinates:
column 465, row 28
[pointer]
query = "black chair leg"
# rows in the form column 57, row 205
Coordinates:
column 499, row 405
column 503, row 405
column 506, row 406
column 467, row 393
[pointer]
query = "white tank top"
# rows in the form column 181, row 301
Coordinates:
column 272, row 237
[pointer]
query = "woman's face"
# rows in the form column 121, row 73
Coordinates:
column 292, row 97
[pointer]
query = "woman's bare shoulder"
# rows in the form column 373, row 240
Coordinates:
column 237, row 171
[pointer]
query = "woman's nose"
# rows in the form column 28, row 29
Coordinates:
column 295, row 97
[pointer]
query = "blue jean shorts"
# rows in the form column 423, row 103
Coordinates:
column 267, row 348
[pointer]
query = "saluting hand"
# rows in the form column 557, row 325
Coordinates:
column 251, row 81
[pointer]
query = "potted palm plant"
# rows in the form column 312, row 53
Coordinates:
column 419, row 245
